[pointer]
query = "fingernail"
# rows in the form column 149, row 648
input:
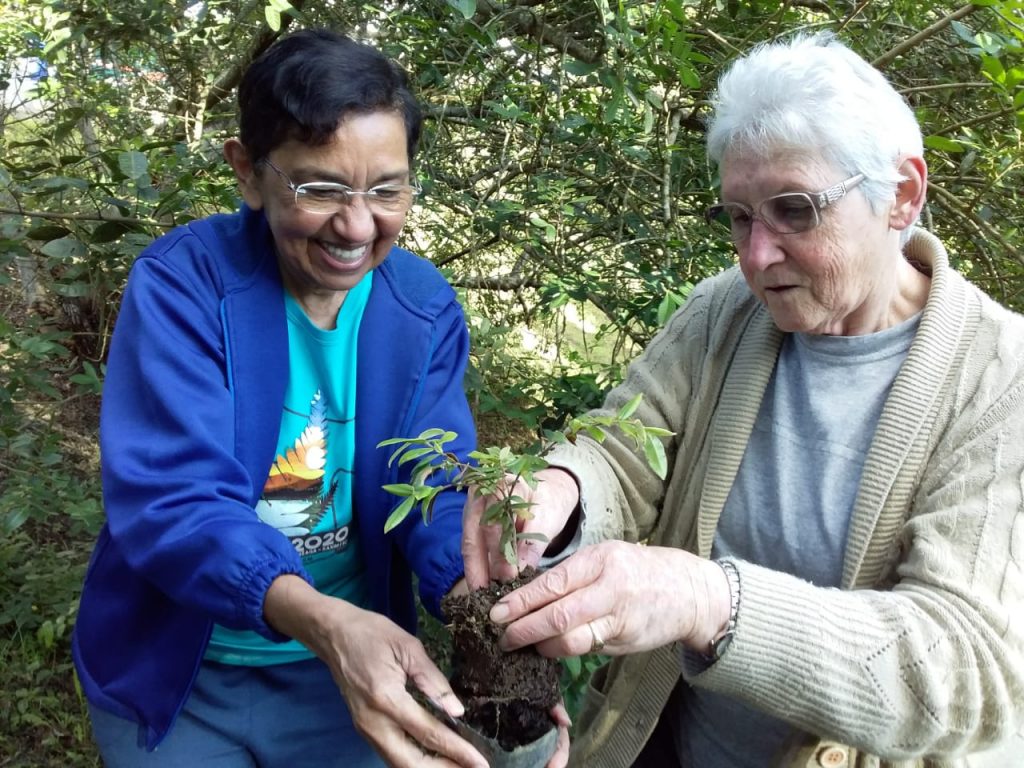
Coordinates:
column 499, row 613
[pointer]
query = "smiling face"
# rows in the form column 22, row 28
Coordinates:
column 322, row 257
column 839, row 278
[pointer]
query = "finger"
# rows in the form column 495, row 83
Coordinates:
column 435, row 737
column 561, row 715
column 432, row 683
column 561, row 757
column 475, row 553
column 403, row 750
column 568, row 626
column 578, row 641
column 567, row 577
column 459, row 588
column 530, row 551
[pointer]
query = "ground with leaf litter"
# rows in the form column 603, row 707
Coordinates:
column 508, row 695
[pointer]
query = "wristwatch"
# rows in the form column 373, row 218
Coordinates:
column 721, row 643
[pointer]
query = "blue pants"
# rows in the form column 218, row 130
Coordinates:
column 289, row 715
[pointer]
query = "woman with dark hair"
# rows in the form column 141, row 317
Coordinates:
column 243, row 575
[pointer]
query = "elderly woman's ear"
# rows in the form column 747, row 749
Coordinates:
column 910, row 193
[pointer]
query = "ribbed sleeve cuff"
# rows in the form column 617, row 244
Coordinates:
column 778, row 644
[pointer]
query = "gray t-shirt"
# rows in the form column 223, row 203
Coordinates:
column 789, row 509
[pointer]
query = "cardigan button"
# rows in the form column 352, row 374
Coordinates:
column 832, row 757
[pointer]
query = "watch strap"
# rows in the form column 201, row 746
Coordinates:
column 721, row 643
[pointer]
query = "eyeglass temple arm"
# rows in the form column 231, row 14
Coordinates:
column 838, row 191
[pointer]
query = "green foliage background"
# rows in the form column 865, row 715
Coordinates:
column 565, row 175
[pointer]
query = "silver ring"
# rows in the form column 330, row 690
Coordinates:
column 596, row 643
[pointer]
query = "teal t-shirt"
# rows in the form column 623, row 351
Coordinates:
column 308, row 493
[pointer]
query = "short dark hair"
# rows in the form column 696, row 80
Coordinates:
column 304, row 85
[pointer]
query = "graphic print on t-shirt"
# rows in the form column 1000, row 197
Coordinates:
column 296, row 497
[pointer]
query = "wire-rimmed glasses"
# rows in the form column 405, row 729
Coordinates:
column 328, row 197
column 785, row 214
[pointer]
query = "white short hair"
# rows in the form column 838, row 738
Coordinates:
column 814, row 96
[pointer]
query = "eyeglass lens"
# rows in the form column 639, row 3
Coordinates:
column 784, row 214
column 322, row 197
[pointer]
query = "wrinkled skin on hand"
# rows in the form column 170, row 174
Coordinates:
column 372, row 660
column 634, row 597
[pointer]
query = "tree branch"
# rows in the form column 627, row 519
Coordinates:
column 53, row 216
column 950, row 202
column 495, row 282
column 976, row 120
column 945, row 87
column 911, row 42
column 525, row 22
column 229, row 79
column 467, row 250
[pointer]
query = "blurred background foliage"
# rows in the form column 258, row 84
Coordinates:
column 565, row 177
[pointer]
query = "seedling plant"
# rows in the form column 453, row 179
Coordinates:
column 496, row 471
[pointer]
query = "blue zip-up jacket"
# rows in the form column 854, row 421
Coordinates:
column 189, row 424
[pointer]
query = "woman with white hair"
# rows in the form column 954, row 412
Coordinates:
column 830, row 573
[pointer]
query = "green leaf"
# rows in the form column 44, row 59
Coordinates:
column 992, row 67
column 630, row 408
column 943, row 144
column 134, row 165
column 428, row 509
column 14, row 519
column 689, row 76
column 59, row 183
column 633, row 430
column 553, row 436
column 962, row 31
column 495, row 512
column 108, row 231
column 41, row 143
column 508, row 546
column 413, row 454
column 466, row 7
column 75, row 289
column 422, row 492
column 90, row 379
column 273, row 17
column 422, row 471
column 65, row 248
column 573, row 666
column 399, row 489
column 654, row 451
column 533, row 536
column 400, row 513
column 579, row 68
column 47, row 232
column 45, row 634
column 433, row 433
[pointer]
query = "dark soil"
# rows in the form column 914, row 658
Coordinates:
column 508, row 695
